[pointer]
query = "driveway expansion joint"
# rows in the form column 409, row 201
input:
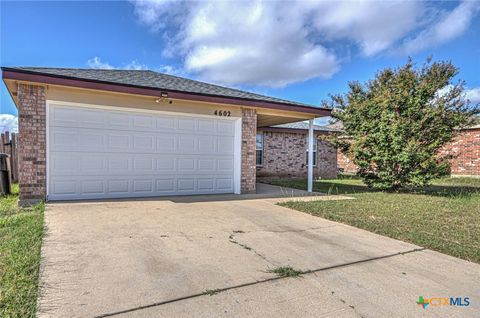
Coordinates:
column 208, row 292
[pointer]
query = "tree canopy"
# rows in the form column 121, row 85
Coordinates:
column 396, row 123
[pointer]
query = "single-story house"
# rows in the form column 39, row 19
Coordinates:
column 89, row 133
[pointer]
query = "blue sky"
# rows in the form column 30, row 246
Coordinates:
column 300, row 51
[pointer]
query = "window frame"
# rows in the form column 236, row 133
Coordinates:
column 261, row 150
column 315, row 146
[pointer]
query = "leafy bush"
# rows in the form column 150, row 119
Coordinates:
column 397, row 122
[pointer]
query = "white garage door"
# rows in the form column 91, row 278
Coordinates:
column 110, row 153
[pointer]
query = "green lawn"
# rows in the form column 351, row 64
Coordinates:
column 444, row 217
column 21, row 231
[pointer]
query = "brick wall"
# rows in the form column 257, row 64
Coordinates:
column 31, row 145
column 285, row 155
column 249, row 131
column 466, row 149
column 345, row 164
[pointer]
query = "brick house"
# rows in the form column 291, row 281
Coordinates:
column 89, row 133
column 282, row 151
column 465, row 149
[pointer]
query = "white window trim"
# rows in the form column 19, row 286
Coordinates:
column 315, row 146
column 263, row 148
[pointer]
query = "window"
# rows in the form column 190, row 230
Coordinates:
column 259, row 148
column 314, row 151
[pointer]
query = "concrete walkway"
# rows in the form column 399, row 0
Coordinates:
column 144, row 258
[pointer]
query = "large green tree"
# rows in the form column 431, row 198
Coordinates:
column 396, row 123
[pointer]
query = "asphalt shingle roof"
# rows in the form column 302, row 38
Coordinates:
column 151, row 79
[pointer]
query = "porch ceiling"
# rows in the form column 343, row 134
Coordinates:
column 264, row 120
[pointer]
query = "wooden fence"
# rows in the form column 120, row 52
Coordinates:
column 8, row 145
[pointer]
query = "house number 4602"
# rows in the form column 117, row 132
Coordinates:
column 225, row 113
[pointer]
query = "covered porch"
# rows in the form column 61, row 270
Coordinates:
column 267, row 118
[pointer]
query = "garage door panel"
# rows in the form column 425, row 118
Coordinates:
column 166, row 164
column 165, row 144
column 66, row 164
column 144, row 143
column 165, row 122
column 119, row 142
column 119, row 121
column 144, row 122
column 206, row 184
column 187, row 144
column 226, row 128
column 93, row 187
column 143, row 164
column 225, row 165
column 64, row 187
column 118, row 165
column 225, row 146
column 165, row 185
column 187, row 124
column 132, row 164
column 186, row 164
column 117, row 187
column 145, row 185
column 207, row 125
column 80, row 117
column 186, row 184
column 225, row 184
column 206, row 144
column 63, row 138
column 137, row 154
column 95, row 164
column 92, row 119
column 206, row 165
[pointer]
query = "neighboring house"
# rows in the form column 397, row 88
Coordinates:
column 465, row 149
column 282, row 151
column 87, row 133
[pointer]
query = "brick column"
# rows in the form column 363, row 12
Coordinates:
column 32, row 144
column 249, row 132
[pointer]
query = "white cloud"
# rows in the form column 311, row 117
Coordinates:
column 168, row 69
column 97, row 63
column 449, row 26
column 134, row 65
column 9, row 123
column 276, row 43
column 240, row 42
column 473, row 95
column 252, row 43
column 373, row 25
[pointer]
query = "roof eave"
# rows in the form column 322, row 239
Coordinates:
column 29, row 76
column 294, row 130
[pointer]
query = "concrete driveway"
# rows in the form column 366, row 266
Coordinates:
column 147, row 258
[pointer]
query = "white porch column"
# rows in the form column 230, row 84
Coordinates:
column 310, row 155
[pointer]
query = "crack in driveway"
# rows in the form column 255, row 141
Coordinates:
column 219, row 290
column 245, row 246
